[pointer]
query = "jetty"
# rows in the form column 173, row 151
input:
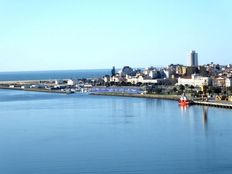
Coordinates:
column 49, row 86
column 221, row 104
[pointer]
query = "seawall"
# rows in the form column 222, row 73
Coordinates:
column 154, row 96
column 35, row 90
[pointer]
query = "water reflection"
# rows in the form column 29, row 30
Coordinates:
column 183, row 108
column 196, row 116
column 93, row 131
column 205, row 116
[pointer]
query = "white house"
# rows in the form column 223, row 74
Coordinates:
column 228, row 82
column 106, row 78
column 195, row 81
column 140, row 79
column 71, row 82
column 58, row 82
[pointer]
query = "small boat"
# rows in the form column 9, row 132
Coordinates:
column 183, row 101
column 69, row 91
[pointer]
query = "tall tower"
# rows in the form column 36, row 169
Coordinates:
column 193, row 59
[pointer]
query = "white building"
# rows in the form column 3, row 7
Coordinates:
column 59, row 82
column 153, row 74
column 228, row 82
column 195, row 81
column 141, row 79
column 106, row 78
column 71, row 82
column 116, row 78
column 193, row 59
column 220, row 81
column 167, row 73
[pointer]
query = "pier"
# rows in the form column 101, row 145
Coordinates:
column 36, row 86
column 35, row 90
column 221, row 104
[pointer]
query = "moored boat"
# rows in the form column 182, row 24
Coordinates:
column 184, row 101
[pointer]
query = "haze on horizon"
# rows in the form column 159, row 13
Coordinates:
column 85, row 34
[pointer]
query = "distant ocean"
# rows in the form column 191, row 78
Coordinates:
column 58, row 74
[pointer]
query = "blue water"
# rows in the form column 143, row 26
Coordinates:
column 43, row 133
column 45, row 75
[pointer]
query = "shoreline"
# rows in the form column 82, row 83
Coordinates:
column 219, row 104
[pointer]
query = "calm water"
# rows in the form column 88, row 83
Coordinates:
column 44, row 133
column 65, row 74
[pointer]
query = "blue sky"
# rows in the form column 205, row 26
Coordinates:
column 85, row 34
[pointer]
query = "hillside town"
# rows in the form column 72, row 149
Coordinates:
column 209, row 81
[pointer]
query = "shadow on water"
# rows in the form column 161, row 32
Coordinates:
column 205, row 116
column 192, row 114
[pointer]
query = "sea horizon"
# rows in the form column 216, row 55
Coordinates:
column 49, row 70
column 53, row 74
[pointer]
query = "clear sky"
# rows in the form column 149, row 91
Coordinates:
column 85, row 34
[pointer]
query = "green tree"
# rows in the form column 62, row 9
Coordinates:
column 217, row 90
column 113, row 71
column 191, row 87
column 229, row 90
column 181, row 88
column 174, row 89
column 157, row 90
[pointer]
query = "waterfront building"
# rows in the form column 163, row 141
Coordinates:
column 193, row 58
column 144, row 80
column 228, row 82
column 195, row 80
column 167, row 73
column 59, row 82
column 117, row 78
column 230, row 98
column 154, row 74
column 146, row 71
column 106, row 78
column 220, row 82
column 71, row 82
